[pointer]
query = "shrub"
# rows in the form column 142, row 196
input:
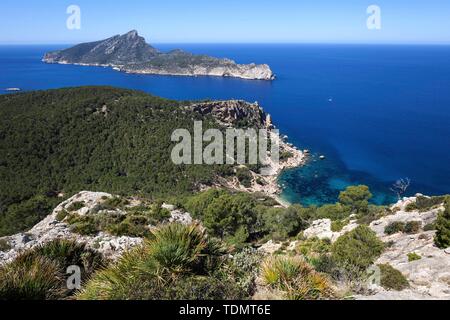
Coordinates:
column 411, row 207
column 313, row 247
column 131, row 226
column 338, row 225
column 413, row 257
column 114, row 203
column 295, row 278
column 75, row 206
column 4, row 245
column 429, row 227
column 30, row 279
column 177, row 262
column 428, row 203
column 359, row 247
column 394, row 227
column 332, row 211
column 413, row 227
column 392, row 279
column 60, row 216
column 83, row 225
column 282, row 223
column 244, row 176
column 442, row 238
column 39, row 274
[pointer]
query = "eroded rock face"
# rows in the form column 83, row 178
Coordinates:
column 429, row 277
column 322, row 229
column 49, row 229
column 232, row 112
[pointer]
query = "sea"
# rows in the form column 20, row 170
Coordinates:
column 377, row 113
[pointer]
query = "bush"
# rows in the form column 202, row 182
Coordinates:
column 428, row 203
column 244, row 176
column 76, row 206
column 60, row 216
column 114, row 203
column 392, row 279
column 332, row 211
column 83, row 225
column 31, row 279
column 295, row 278
column 359, row 248
column 442, row 238
column 39, row 274
column 429, row 227
column 313, row 247
column 177, row 262
column 394, row 227
column 413, row 257
column 338, row 225
column 411, row 207
column 413, row 227
column 4, row 245
column 282, row 223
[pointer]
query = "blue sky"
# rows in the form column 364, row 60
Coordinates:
column 236, row 21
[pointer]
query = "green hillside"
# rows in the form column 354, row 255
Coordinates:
column 90, row 138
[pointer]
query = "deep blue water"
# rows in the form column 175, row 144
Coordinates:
column 378, row 113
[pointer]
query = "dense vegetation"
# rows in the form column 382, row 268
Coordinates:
column 92, row 138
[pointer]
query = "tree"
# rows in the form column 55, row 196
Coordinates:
column 400, row 187
column 442, row 239
column 356, row 198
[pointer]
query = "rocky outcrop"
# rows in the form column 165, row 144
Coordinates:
column 130, row 53
column 51, row 228
column 429, row 277
column 233, row 113
column 321, row 229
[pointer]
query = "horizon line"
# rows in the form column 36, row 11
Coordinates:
column 246, row 43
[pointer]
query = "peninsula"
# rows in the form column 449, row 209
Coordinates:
column 131, row 54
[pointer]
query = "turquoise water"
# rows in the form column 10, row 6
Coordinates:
column 378, row 113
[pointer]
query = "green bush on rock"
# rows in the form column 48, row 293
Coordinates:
column 442, row 238
column 392, row 279
column 359, row 248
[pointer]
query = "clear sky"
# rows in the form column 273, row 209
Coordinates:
column 175, row 21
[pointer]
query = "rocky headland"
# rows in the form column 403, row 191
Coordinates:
column 131, row 54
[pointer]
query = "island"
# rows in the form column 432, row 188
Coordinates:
column 130, row 53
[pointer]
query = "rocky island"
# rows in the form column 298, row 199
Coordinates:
column 131, row 54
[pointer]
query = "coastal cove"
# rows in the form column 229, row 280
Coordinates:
column 378, row 113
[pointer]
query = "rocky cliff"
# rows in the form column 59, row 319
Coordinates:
column 130, row 53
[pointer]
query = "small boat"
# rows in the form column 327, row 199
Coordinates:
column 322, row 157
column 12, row 89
